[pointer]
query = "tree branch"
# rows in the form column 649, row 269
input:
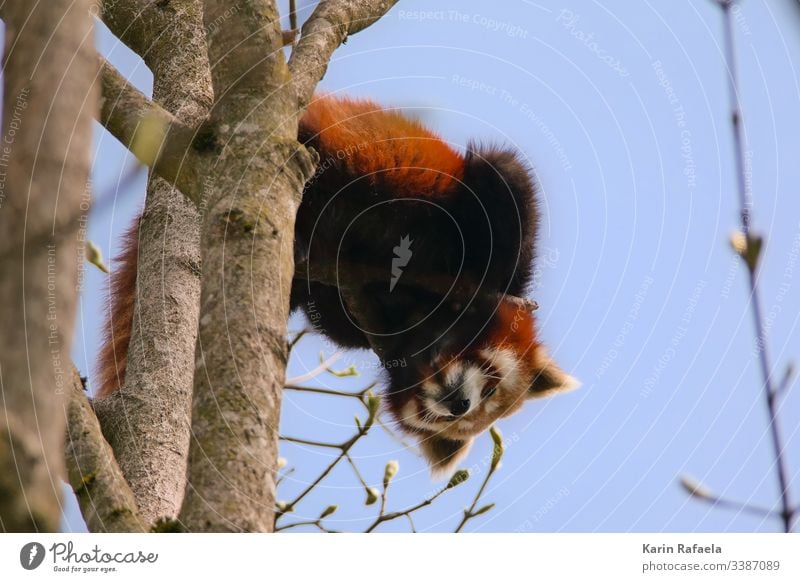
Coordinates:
column 247, row 235
column 351, row 277
column 153, row 135
column 147, row 421
column 750, row 252
column 328, row 27
column 132, row 21
column 107, row 502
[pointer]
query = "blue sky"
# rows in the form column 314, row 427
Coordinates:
column 622, row 109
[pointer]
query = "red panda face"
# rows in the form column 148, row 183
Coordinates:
column 454, row 396
column 464, row 395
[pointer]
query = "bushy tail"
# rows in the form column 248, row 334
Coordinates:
column 117, row 332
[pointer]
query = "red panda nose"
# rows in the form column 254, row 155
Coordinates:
column 459, row 407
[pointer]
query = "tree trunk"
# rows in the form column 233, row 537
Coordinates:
column 49, row 102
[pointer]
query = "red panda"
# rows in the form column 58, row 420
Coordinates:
column 390, row 194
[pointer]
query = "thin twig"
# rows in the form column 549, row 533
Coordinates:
column 330, row 391
column 283, row 477
column 317, row 523
column 310, row 375
column 356, row 471
column 743, row 507
column 352, row 277
column 293, row 14
column 469, row 513
column 311, row 443
column 300, row 334
column 787, row 513
column 384, row 517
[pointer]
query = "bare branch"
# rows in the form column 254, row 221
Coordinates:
column 246, row 59
column 247, row 237
column 153, row 134
column 106, row 500
column 328, row 27
column 750, row 253
column 351, row 277
column 147, row 420
column 131, row 21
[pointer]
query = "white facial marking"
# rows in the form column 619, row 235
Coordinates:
column 505, row 363
column 430, row 388
column 435, row 407
column 410, row 416
column 474, row 381
column 453, row 372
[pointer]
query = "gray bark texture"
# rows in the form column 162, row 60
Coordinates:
column 208, row 355
column 106, row 500
column 147, row 421
column 49, row 102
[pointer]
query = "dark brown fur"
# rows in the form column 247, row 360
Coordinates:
column 382, row 178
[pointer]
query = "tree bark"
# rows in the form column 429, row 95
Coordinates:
column 106, row 500
column 49, row 103
column 147, row 421
column 247, row 242
column 247, row 247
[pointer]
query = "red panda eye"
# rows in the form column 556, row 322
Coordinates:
column 489, row 390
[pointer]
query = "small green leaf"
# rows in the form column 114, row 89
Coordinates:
column 695, row 488
column 372, row 496
column 391, row 470
column 330, row 510
column 748, row 247
column 458, row 478
column 148, row 139
column 95, row 257
column 347, row 372
column 498, row 449
column 373, row 405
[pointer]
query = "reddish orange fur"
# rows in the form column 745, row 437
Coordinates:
column 113, row 358
column 514, row 328
column 388, row 144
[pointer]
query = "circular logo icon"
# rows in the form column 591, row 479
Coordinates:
column 31, row 555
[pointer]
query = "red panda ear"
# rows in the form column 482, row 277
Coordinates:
column 442, row 453
column 549, row 378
